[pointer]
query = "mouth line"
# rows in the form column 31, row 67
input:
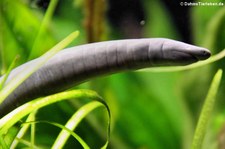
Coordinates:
column 188, row 55
column 198, row 53
column 193, row 56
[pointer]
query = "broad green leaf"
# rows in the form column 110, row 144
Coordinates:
column 22, row 28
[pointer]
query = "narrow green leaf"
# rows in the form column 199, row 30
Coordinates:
column 206, row 111
column 28, row 144
column 32, row 138
column 77, row 137
column 2, row 82
column 44, row 24
column 10, row 119
column 24, row 75
column 74, row 121
column 2, row 143
column 22, row 131
column 106, row 145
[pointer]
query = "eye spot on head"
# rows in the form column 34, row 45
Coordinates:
column 205, row 54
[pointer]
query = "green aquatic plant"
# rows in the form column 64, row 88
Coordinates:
column 7, row 123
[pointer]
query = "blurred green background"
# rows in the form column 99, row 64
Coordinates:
column 149, row 110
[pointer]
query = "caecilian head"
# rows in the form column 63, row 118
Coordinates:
column 171, row 52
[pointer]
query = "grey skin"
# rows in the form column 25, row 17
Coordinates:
column 78, row 64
